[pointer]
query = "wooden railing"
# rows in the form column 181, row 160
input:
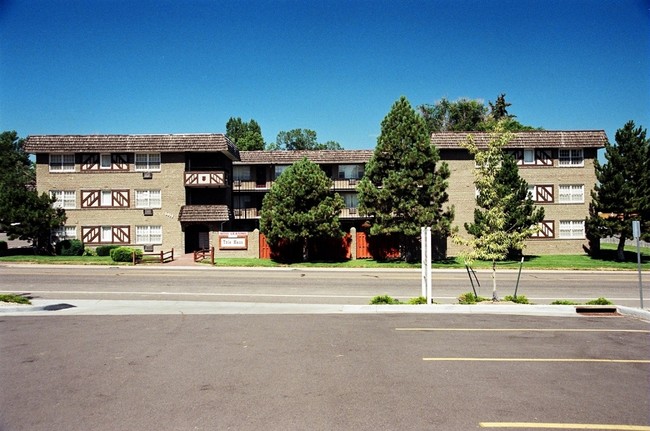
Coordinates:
column 161, row 257
column 201, row 255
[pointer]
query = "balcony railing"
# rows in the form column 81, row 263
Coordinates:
column 241, row 185
column 252, row 213
column 206, row 179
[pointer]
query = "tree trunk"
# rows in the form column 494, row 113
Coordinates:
column 494, row 281
column 305, row 250
column 620, row 250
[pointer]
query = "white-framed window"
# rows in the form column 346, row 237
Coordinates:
column 148, row 199
column 529, row 156
column 66, row 199
column 64, row 232
column 572, row 193
column 571, row 157
column 105, row 161
column 279, row 169
column 106, row 234
column 61, row 162
column 350, row 172
column 572, row 229
column 148, row 234
column 351, row 200
column 241, row 173
column 106, row 198
column 147, row 161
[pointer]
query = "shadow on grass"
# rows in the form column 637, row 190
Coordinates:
column 611, row 256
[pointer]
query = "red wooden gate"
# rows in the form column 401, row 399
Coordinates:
column 265, row 250
column 363, row 252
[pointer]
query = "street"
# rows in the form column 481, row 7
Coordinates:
column 326, row 286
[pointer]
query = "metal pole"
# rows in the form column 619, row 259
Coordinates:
column 428, row 234
column 519, row 275
column 638, row 261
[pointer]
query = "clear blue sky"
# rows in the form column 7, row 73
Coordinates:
column 171, row 66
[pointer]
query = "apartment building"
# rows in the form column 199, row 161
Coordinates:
column 181, row 191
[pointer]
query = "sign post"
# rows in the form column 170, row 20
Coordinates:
column 425, row 250
column 636, row 233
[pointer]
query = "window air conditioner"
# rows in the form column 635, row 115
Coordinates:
column 147, row 175
column 148, row 211
column 148, row 248
column 353, row 211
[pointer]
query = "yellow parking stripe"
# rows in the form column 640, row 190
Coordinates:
column 564, row 426
column 619, row 361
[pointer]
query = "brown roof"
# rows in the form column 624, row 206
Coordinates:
column 131, row 143
column 281, row 157
column 527, row 139
column 204, row 213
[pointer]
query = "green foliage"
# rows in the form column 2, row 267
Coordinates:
column 4, row 247
column 247, row 136
column 125, row 254
column 564, row 302
column 599, row 301
column 300, row 206
column 24, row 213
column 405, row 184
column 384, row 299
column 470, row 298
column 105, row 250
column 13, row 298
column 89, row 252
column 521, row 299
column 417, row 301
column 69, row 247
column 301, row 139
column 623, row 188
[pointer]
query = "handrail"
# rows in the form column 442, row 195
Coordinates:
column 161, row 257
column 207, row 253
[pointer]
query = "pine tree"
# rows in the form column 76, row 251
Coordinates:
column 247, row 136
column 621, row 194
column 404, row 186
column 300, row 207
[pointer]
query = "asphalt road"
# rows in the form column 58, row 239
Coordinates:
column 315, row 372
column 324, row 286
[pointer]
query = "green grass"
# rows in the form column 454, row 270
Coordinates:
column 13, row 298
column 61, row 260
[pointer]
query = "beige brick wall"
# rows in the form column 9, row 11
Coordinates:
column 169, row 180
column 462, row 195
column 253, row 250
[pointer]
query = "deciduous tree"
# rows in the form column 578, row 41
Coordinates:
column 302, row 139
column 247, row 136
column 300, row 207
column 405, row 184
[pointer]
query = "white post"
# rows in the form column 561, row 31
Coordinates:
column 636, row 233
column 423, row 251
column 428, row 234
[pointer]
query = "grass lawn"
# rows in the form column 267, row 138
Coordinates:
column 565, row 262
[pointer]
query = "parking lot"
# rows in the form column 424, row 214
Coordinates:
column 280, row 372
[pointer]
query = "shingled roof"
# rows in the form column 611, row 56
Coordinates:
column 201, row 142
column 317, row 156
column 204, row 213
column 527, row 139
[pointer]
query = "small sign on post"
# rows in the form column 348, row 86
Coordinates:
column 636, row 233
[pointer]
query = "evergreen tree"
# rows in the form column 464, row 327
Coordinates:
column 502, row 219
column 405, row 184
column 247, row 136
column 499, row 109
column 300, row 206
column 24, row 213
column 621, row 194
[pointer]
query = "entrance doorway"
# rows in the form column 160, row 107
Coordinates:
column 197, row 237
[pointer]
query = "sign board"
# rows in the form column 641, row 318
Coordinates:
column 636, row 229
column 233, row 240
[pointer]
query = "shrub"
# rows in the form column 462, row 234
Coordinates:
column 564, row 302
column 418, row 300
column 125, row 254
column 3, row 248
column 89, row 252
column 105, row 250
column 69, row 247
column 600, row 301
column 521, row 299
column 16, row 299
column 470, row 298
column 384, row 299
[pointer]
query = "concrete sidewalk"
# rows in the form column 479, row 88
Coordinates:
column 117, row 307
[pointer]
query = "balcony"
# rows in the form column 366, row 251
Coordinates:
column 215, row 179
column 246, row 213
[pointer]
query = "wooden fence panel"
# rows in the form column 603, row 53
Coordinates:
column 265, row 250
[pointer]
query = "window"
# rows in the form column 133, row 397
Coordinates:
column 241, row 173
column 347, row 172
column 64, row 232
column 351, row 200
column 106, row 198
column 279, row 169
column 147, row 161
column 148, row 199
column 572, row 229
column 66, row 199
column 529, row 156
column 574, row 193
column 571, row 157
column 105, row 161
column 148, row 234
column 106, row 234
column 61, row 162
